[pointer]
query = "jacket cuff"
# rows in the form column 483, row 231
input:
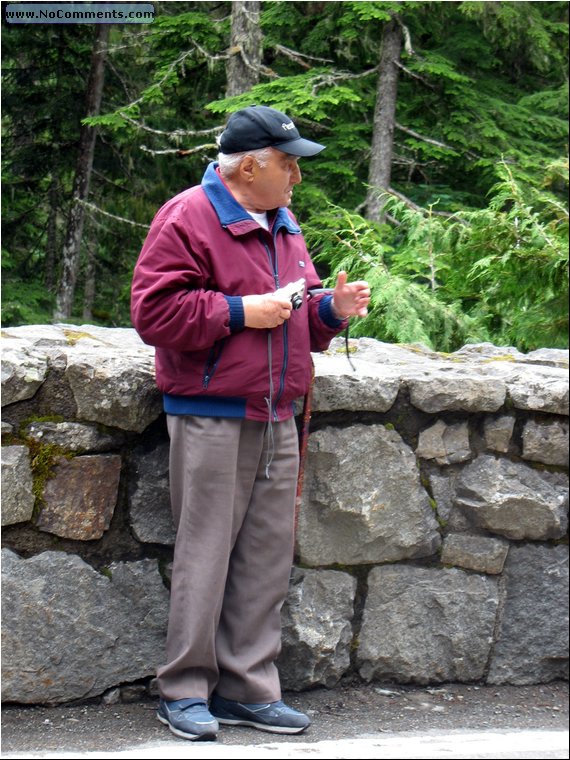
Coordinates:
column 327, row 314
column 237, row 317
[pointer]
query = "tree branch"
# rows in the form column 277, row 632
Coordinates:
column 177, row 133
column 209, row 56
column 414, row 206
column 406, row 34
column 92, row 207
column 178, row 151
column 181, row 58
column 164, row 78
column 323, row 80
column 413, row 74
column 295, row 55
column 431, row 141
column 392, row 220
column 265, row 70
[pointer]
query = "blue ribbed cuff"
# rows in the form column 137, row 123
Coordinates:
column 237, row 316
column 326, row 312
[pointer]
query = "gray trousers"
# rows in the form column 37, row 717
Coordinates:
column 232, row 557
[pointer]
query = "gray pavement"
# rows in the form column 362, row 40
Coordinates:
column 459, row 745
column 456, row 721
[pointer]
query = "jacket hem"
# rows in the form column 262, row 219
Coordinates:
column 205, row 406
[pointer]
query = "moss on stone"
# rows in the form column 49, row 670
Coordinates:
column 55, row 418
column 73, row 336
column 43, row 459
column 499, row 358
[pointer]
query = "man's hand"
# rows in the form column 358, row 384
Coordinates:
column 350, row 299
column 265, row 311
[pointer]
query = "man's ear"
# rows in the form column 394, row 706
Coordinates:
column 247, row 168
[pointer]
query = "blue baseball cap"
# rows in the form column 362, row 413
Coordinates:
column 263, row 127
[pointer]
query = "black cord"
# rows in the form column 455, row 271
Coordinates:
column 347, row 348
column 330, row 291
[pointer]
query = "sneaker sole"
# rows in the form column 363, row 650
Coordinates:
column 261, row 726
column 206, row 736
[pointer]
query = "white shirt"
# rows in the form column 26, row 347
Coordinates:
column 261, row 219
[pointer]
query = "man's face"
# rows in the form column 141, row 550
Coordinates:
column 273, row 184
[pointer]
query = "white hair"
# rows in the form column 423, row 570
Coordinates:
column 229, row 162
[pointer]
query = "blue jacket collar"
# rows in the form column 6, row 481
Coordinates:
column 231, row 214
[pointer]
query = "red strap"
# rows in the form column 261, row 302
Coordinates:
column 303, row 443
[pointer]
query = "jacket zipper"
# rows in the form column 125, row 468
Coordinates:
column 274, row 269
column 212, row 362
column 272, row 264
column 283, row 369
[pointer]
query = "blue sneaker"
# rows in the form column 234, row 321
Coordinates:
column 188, row 718
column 276, row 717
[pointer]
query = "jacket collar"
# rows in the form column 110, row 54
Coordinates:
column 231, row 214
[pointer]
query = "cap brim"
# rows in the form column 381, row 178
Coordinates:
column 300, row 147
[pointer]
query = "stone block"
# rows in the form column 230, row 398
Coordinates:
column 546, row 442
column 442, row 485
column 479, row 553
column 445, row 444
column 436, row 391
column 71, row 633
column 513, row 499
column 110, row 389
column 317, row 629
column 17, row 484
column 498, row 432
column 24, row 369
column 532, row 641
column 363, row 500
column 425, row 625
column 74, row 436
column 149, row 495
column 79, row 501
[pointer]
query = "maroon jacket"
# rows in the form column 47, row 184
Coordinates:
column 203, row 253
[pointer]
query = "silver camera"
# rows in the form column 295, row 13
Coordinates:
column 294, row 291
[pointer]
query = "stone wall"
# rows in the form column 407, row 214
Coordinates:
column 431, row 543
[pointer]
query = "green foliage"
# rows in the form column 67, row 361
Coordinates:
column 523, row 30
column 25, row 302
column 498, row 273
column 401, row 310
column 516, row 251
column 481, row 126
column 315, row 95
column 177, row 49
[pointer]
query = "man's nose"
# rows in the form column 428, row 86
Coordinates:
column 296, row 175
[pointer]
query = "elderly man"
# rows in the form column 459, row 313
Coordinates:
column 222, row 288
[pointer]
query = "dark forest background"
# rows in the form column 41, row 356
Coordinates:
column 444, row 182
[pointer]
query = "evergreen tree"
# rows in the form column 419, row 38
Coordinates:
column 481, row 107
column 42, row 97
column 82, row 178
column 244, row 56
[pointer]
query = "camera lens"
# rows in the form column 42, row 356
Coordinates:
column 296, row 301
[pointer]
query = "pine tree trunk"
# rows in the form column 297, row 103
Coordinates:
column 89, row 287
column 51, row 243
column 84, row 165
column 242, row 69
column 384, row 116
column 52, row 250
